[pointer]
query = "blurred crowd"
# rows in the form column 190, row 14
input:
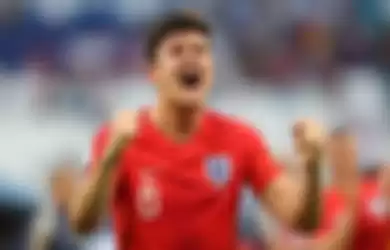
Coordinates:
column 278, row 39
column 66, row 65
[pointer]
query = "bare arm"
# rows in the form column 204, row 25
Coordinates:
column 338, row 238
column 90, row 201
column 337, row 229
column 296, row 201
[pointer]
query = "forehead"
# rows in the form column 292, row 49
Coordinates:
column 184, row 37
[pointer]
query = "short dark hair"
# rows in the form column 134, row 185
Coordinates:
column 171, row 23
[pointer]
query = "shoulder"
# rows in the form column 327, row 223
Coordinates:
column 120, row 117
column 236, row 127
column 101, row 133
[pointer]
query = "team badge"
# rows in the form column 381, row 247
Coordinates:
column 148, row 197
column 218, row 169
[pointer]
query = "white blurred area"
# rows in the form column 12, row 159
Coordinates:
column 31, row 140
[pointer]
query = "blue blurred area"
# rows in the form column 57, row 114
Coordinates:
column 248, row 216
column 21, row 38
column 27, row 36
column 31, row 31
column 15, row 196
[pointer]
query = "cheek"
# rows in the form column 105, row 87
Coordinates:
column 210, row 72
column 169, row 72
column 169, row 63
column 160, row 77
column 208, row 65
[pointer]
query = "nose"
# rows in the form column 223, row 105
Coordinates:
column 190, row 67
column 190, row 55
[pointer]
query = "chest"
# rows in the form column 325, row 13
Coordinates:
column 178, row 180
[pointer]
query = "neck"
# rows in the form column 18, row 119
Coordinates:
column 179, row 122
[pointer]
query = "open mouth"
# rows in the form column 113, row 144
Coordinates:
column 190, row 80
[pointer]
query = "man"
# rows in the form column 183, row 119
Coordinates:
column 58, row 235
column 342, row 199
column 368, row 213
column 62, row 187
column 176, row 169
column 355, row 212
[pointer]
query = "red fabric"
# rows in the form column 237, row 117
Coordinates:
column 248, row 246
column 373, row 226
column 99, row 143
column 261, row 168
column 184, row 196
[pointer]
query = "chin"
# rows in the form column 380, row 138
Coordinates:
column 190, row 102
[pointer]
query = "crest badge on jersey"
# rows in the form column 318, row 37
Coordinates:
column 218, row 169
column 148, row 197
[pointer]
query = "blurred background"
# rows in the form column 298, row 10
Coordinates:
column 66, row 65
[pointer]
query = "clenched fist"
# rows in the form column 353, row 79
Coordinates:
column 124, row 125
column 309, row 138
column 123, row 129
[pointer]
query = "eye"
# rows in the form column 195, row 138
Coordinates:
column 176, row 50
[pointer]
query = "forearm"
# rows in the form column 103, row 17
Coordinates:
column 90, row 201
column 308, row 212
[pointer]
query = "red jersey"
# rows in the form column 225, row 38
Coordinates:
column 372, row 230
column 184, row 196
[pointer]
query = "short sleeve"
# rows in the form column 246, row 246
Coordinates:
column 261, row 167
column 98, row 145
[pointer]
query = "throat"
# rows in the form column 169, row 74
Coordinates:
column 186, row 120
column 178, row 123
